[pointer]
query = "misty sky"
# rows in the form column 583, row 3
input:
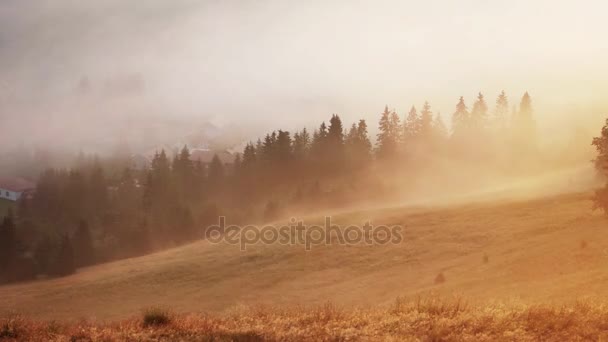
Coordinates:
column 297, row 61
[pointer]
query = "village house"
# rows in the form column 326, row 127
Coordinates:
column 12, row 188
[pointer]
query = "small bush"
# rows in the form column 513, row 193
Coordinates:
column 156, row 316
column 583, row 244
column 486, row 258
column 440, row 278
column 9, row 329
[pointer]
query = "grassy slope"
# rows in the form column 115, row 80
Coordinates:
column 534, row 251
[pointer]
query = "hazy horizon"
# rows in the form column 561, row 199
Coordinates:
column 288, row 64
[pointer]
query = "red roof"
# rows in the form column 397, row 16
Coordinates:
column 16, row 184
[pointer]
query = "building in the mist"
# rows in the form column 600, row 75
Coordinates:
column 12, row 188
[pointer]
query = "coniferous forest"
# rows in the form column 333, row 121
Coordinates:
column 102, row 210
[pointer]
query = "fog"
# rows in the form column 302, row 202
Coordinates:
column 154, row 71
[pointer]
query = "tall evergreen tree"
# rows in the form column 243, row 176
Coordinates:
column 216, row 172
column 301, row 144
column 283, row 146
column 425, row 125
column 525, row 125
column 440, row 132
column 249, row 158
column 501, row 112
column 479, row 114
column 389, row 134
column 460, row 120
column 411, row 126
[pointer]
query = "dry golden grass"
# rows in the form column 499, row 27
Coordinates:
column 428, row 319
column 534, row 249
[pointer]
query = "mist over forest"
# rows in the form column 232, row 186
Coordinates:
column 91, row 76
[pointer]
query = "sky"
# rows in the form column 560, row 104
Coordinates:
column 290, row 63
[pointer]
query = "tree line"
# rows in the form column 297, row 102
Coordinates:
column 100, row 210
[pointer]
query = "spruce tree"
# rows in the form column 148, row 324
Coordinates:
column 411, row 125
column 389, row 134
column 425, row 125
column 216, row 172
column 460, row 120
column 479, row 115
column 283, row 146
column 301, row 144
column 501, row 112
column 440, row 132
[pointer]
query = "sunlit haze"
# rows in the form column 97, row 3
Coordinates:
column 290, row 62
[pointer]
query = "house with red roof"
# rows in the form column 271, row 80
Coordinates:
column 12, row 188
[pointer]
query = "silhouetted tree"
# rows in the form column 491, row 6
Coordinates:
column 411, row 126
column 600, row 199
column 460, row 120
column 501, row 113
column 425, row 124
column 479, row 115
column 389, row 135
column 301, row 144
column 216, row 173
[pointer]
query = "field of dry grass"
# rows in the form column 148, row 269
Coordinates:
column 533, row 251
column 428, row 319
column 526, row 269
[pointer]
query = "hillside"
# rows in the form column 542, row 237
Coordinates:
column 539, row 250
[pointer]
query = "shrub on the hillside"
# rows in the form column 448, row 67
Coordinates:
column 9, row 329
column 600, row 199
column 156, row 316
column 440, row 278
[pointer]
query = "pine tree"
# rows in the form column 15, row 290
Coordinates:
column 237, row 166
column 501, row 113
column 389, row 134
column 600, row 199
column 365, row 148
column 440, row 132
column 411, row 126
column 525, row 126
column 335, row 133
column 601, row 146
column 283, row 146
column 460, row 120
column 425, row 125
column 334, row 155
column 249, row 158
column 268, row 148
column 301, row 144
column 479, row 115
column 357, row 144
column 216, row 172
